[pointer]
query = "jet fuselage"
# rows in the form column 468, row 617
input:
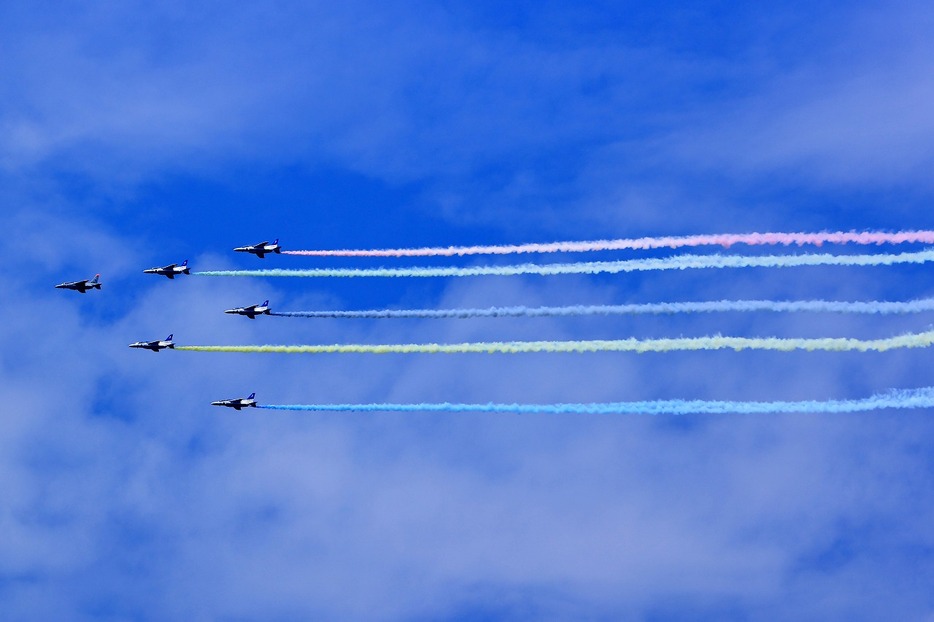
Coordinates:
column 170, row 270
column 81, row 286
column 155, row 346
column 238, row 403
column 251, row 311
column 260, row 249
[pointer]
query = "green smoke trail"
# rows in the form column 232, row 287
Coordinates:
column 830, row 344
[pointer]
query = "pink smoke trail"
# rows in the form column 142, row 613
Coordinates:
column 723, row 239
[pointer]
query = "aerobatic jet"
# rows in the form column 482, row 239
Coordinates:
column 170, row 270
column 238, row 403
column 261, row 249
column 251, row 311
column 82, row 286
column 155, row 346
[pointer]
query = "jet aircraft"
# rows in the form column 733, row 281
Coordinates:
column 251, row 311
column 82, row 286
column 170, row 270
column 237, row 403
column 261, row 249
column 155, row 346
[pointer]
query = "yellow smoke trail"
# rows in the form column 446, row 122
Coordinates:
column 833, row 344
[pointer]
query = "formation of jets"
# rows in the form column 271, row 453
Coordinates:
column 82, row 286
column 170, row 271
column 261, row 248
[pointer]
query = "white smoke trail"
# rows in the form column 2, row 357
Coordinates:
column 816, row 306
column 682, row 262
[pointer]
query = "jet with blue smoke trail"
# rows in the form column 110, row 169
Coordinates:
column 238, row 402
column 170, row 270
column 251, row 311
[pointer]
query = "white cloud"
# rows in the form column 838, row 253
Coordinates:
column 854, row 114
column 265, row 514
column 117, row 474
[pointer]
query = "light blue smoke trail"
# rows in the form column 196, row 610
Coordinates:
column 681, row 262
column 820, row 306
column 897, row 399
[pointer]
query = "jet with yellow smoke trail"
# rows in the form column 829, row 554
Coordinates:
column 155, row 346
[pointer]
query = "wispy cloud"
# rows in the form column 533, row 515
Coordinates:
column 116, row 473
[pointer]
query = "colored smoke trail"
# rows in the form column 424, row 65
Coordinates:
column 819, row 306
column 682, row 262
column 917, row 398
column 724, row 239
column 830, row 344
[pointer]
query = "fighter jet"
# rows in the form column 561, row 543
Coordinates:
column 237, row 403
column 82, row 286
column 170, row 270
column 252, row 311
column 155, row 346
column 261, row 249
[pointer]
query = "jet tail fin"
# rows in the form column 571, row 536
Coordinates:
column 252, row 396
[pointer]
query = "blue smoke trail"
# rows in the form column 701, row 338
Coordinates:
column 825, row 306
column 681, row 262
column 897, row 399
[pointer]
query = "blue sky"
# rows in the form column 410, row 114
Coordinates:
column 138, row 134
